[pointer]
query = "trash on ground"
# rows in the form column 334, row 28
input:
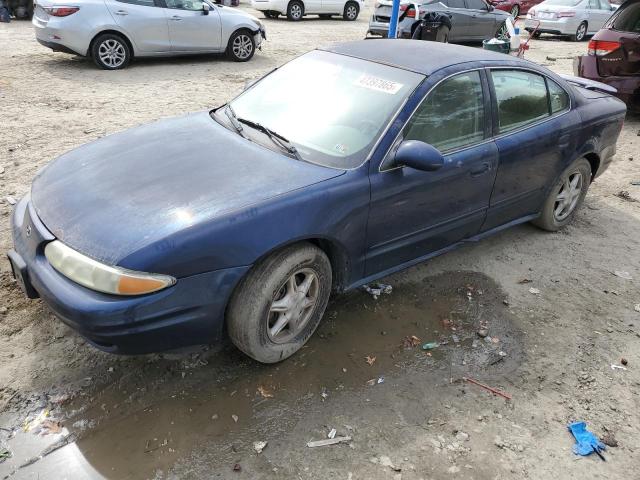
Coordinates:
column 31, row 423
column 237, row 467
column 328, row 441
column 495, row 391
column 483, row 332
column 377, row 289
column 332, row 433
column 623, row 274
column 375, row 381
column 636, row 307
column 10, row 200
column 430, row 345
column 264, row 392
column 624, row 361
column 411, row 341
column 535, row 291
column 635, row 183
column 370, row 360
column 4, row 453
column 623, row 194
column 617, row 367
column 586, row 442
column 235, row 418
column 385, row 461
column 525, row 280
column 609, row 439
column 259, row 446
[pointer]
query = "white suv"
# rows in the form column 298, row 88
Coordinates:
column 296, row 9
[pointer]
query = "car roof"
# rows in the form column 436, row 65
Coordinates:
column 415, row 55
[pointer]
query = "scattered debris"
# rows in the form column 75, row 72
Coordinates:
column 624, row 361
column 411, row 341
column 259, row 446
column 586, row 442
column 370, row 360
column 378, row 289
column 385, row 461
column 4, row 453
column 10, row 200
column 623, row 194
column 332, row 433
column 324, row 393
column 264, row 392
column 486, row 387
column 483, row 332
column 623, row 274
column 525, row 280
column 430, row 345
column 375, row 381
column 328, row 441
column 609, row 439
column 534, row 291
column 235, row 418
column 635, row 183
column 31, row 423
column 636, row 307
column 617, row 367
column 551, row 59
column 462, row 436
column 237, row 467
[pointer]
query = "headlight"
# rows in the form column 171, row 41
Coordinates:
column 102, row 278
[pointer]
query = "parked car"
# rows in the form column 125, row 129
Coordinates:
column 613, row 55
column 112, row 32
column 515, row 7
column 472, row 20
column 243, row 219
column 574, row 18
column 296, row 9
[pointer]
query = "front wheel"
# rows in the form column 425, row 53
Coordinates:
column 279, row 304
column 241, row 46
column 581, row 33
column 351, row 11
column 295, row 11
column 565, row 197
column 110, row 52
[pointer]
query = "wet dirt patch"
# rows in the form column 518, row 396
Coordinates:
column 155, row 413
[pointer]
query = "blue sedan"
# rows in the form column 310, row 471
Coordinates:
column 340, row 167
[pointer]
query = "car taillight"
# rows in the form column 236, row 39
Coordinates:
column 61, row 11
column 566, row 14
column 601, row 47
column 411, row 13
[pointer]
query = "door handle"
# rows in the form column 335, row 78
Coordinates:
column 176, row 18
column 122, row 12
column 564, row 141
column 479, row 170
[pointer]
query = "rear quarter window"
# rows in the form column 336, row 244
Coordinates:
column 627, row 19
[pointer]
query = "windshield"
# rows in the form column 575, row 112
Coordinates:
column 563, row 3
column 331, row 108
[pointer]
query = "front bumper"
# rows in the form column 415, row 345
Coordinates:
column 586, row 66
column 559, row 26
column 189, row 313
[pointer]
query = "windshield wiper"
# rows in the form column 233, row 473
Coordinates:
column 276, row 138
column 231, row 115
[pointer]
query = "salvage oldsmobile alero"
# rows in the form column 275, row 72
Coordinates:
column 241, row 221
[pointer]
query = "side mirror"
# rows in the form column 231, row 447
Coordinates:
column 205, row 8
column 419, row 156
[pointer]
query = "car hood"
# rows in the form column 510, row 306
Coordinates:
column 112, row 197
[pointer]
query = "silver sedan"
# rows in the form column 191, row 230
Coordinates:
column 575, row 18
column 112, row 32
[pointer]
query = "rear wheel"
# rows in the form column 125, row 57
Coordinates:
column 241, row 46
column 565, row 197
column 279, row 304
column 295, row 11
column 111, row 52
column 581, row 32
column 351, row 11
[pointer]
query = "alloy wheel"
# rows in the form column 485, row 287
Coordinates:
column 242, row 46
column 503, row 32
column 293, row 306
column 112, row 53
column 515, row 11
column 581, row 32
column 296, row 11
column 352, row 12
column 568, row 196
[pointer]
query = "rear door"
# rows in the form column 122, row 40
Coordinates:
column 190, row 30
column 618, row 47
column 144, row 22
column 536, row 135
column 596, row 17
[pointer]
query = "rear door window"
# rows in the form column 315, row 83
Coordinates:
column 456, row 4
column 521, row 97
column 627, row 18
column 558, row 98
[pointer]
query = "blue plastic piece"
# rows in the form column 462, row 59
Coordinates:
column 586, row 442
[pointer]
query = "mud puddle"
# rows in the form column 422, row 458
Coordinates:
column 155, row 413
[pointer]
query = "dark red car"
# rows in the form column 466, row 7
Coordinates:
column 613, row 56
column 515, row 7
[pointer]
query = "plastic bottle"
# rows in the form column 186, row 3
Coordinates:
column 515, row 39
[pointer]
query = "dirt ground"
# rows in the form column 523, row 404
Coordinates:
column 411, row 414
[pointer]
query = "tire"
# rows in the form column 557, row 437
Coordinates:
column 111, row 52
column 241, row 46
column 251, row 323
column 549, row 218
column 515, row 11
column 351, row 11
column 295, row 11
column 581, row 33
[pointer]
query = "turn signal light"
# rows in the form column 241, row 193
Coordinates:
column 600, row 48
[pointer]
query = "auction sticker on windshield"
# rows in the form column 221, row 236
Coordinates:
column 378, row 84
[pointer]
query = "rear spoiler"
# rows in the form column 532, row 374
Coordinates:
column 589, row 84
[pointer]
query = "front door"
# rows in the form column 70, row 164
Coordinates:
column 414, row 213
column 460, row 19
column 190, row 30
column 482, row 22
column 144, row 22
